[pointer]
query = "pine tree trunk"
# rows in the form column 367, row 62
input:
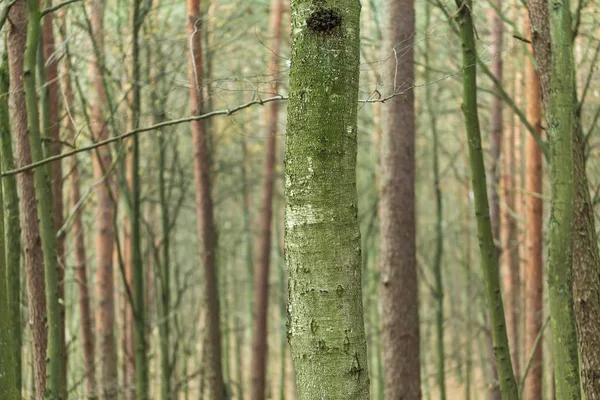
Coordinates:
column 534, row 276
column 489, row 260
column 55, row 386
column 261, row 277
column 102, row 160
column 33, row 257
column 204, row 206
column 400, row 319
column 322, row 239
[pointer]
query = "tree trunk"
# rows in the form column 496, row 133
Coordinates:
column 10, row 388
column 322, row 239
column 489, row 260
column 33, row 257
column 102, row 160
column 204, row 206
column 534, row 276
column 261, row 277
column 55, row 386
column 400, row 336
column 52, row 90
column 560, row 277
column 12, row 230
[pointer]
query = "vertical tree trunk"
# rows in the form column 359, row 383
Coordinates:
column 204, row 206
column 9, row 386
column 560, row 276
column 489, row 260
column 53, row 132
column 439, row 246
column 322, row 239
column 400, row 336
column 12, row 230
column 55, row 386
column 102, row 160
column 497, row 128
column 139, row 294
column 534, row 284
column 261, row 280
column 78, row 233
column 33, row 257
column 508, row 234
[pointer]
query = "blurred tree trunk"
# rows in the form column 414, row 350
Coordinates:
column 497, row 128
column 102, row 160
column 33, row 257
column 204, row 206
column 52, row 130
column 77, row 230
column 488, row 254
column 322, row 240
column 534, row 276
column 10, row 388
column 400, row 336
column 261, row 274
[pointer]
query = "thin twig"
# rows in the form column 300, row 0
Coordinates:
column 57, row 7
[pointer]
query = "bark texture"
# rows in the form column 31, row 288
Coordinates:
column 399, row 287
column 261, row 274
column 322, row 239
column 534, row 276
column 33, row 257
column 204, row 206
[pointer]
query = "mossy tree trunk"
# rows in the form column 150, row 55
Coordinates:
column 322, row 239
column 489, row 261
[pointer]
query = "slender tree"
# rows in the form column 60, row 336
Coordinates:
column 534, row 284
column 322, row 239
column 8, row 361
column 489, row 261
column 102, row 160
column 12, row 229
column 397, row 211
column 204, row 205
column 261, row 280
column 33, row 257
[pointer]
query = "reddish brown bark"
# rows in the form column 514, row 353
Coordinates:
column 102, row 160
column 534, row 276
column 204, row 205
column 261, row 273
column 397, row 213
column 30, row 230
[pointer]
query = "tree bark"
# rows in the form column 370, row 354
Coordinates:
column 102, row 160
column 534, row 276
column 204, row 206
column 489, row 260
column 33, row 257
column 399, row 287
column 261, row 276
column 322, row 238
column 10, row 388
